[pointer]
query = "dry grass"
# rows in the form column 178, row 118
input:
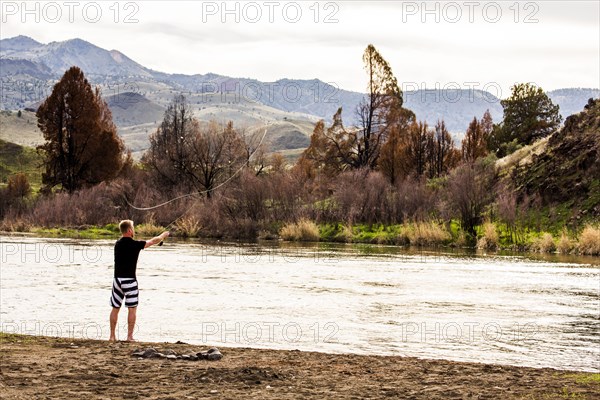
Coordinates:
column 303, row 230
column 188, row 227
column 427, row 234
column 149, row 229
column 589, row 241
column 565, row 244
column 15, row 225
column 544, row 244
column 490, row 239
column 524, row 155
column 345, row 235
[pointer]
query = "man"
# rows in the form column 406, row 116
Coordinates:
column 125, row 285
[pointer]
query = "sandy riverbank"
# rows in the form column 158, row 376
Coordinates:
column 33, row 367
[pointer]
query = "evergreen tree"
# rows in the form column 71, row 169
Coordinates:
column 82, row 145
column 529, row 115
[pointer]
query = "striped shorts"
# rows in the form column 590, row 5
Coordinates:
column 124, row 288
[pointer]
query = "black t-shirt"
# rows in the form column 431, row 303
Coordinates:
column 127, row 251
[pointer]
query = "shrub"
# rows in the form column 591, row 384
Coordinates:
column 14, row 224
column 148, row 229
column 188, row 226
column 489, row 240
column 427, row 234
column 303, row 230
column 90, row 206
column 565, row 245
column 544, row 244
column 589, row 241
column 344, row 235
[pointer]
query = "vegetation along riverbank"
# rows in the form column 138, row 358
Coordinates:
column 527, row 182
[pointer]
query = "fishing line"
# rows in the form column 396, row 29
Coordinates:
column 201, row 192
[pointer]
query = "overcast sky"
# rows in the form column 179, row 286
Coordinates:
column 480, row 44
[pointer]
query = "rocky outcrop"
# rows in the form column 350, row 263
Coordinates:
column 567, row 172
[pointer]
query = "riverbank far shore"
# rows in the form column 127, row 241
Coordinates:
column 52, row 368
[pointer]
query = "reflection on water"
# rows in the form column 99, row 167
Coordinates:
column 503, row 308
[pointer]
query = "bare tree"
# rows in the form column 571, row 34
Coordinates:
column 169, row 154
column 469, row 191
column 217, row 154
column 184, row 154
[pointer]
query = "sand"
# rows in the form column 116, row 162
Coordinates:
column 34, row 367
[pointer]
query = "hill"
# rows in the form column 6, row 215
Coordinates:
column 21, row 130
column 565, row 175
column 15, row 159
column 130, row 109
column 28, row 70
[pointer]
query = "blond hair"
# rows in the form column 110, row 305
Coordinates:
column 125, row 225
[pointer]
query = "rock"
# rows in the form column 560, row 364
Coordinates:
column 213, row 354
column 147, row 353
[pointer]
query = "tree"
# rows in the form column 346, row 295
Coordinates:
column 529, row 115
column 443, row 155
column 169, row 145
column 185, row 155
column 474, row 144
column 469, row 190
column 255, row 151
column 378, row 110
column 18, row 186
column 487, row 124
column 391, row 160
column 416, row 149
column 330, row 149
column 14, row 195
column 413, row 148
column 82, row 146
column 337, row 148
column 217, row 154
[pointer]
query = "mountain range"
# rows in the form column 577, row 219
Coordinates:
column 288, row 108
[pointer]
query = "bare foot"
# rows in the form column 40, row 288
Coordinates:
column 130, row 339
column 112, row 339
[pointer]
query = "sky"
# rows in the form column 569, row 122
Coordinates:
column 470, row 44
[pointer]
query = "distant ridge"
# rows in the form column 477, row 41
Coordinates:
column 29, row 69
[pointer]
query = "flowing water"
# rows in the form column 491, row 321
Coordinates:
column 503, row 309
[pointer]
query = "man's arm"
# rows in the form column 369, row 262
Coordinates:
column 156, row 240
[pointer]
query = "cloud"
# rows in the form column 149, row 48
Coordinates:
column 177, row 37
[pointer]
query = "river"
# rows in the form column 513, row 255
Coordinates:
column 503, row 309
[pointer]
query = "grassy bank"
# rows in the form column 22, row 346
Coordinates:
column 20, row 159
column 490, row 236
